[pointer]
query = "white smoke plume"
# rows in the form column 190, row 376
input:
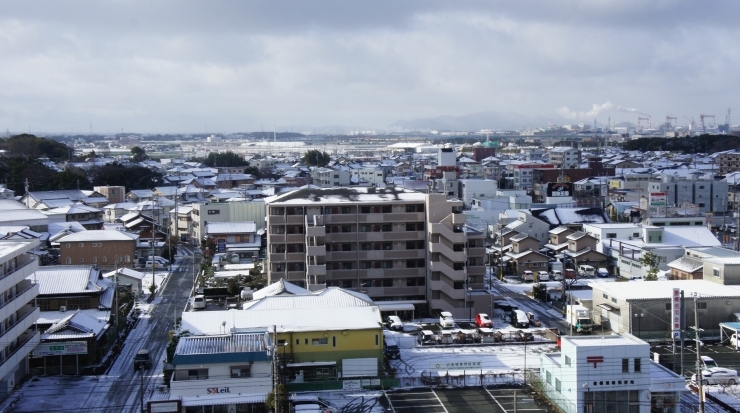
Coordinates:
column 596, row 109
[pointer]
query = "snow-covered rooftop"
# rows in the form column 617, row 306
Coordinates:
column 637, row 290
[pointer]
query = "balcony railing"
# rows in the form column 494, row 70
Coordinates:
column 8, row 273
column 18, row 294
column 36, row 335
column 10, row 327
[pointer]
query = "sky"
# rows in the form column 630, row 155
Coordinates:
column 166, row 66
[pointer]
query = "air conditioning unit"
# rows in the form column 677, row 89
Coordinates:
column 62, row 308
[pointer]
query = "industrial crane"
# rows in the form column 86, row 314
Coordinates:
column 640, row 119
column 703, row 127
column 668, row 124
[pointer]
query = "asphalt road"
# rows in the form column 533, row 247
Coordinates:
column 542, row 311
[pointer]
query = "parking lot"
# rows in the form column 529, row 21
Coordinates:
column 480, row 399
column 724, row 355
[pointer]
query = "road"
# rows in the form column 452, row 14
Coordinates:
column 543, row 312
column 120, row 389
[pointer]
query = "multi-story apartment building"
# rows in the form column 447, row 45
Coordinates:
column 729, row 162
column 565, row 157
column 103, row 248
column 708, row 195
column 394, row 245
column 18, row 311
column 329, row 178
column 193, row 225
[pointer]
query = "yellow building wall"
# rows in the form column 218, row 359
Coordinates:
column 306, row 346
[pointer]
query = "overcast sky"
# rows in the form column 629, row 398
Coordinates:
column 228, row 66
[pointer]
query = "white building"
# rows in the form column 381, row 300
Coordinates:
column 608, row 373
column 18, row 312
column 565, row 157
column 478, row 189
column 330, row 178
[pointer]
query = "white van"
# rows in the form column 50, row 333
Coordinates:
column 199, row 302
column 528, row 276
column 543, row 276
column 586, row 271
column 446, row 320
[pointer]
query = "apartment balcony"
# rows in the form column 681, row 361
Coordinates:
column 395, row 236
column 341, row 255
column 340, row 219
column 319, row 251
column 459, row 219
column 392, row 272
column 341, row 237
column 17, row 302
column 477, row 252
column 276, row 238
column 276, row 219
column 447, row 232
column 416, row 290
column 403, row 254
column 24, row 322
column 295, row 238
column 456, row 275
column 438, row 247
column 296, row 275
column 339, row 274
column 316, row 231
column 277, row 257
column 476, row 270
column 28, row 342
column 294, row 219
column 454, row 294
column 316, row 270
column 398, row 217
column 26, row 266
column 439, row 285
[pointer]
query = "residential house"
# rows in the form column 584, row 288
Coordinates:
column 114, row 194
column 103, row 248
column 240, row 238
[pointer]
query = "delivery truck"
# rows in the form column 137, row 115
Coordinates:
column 580, row 318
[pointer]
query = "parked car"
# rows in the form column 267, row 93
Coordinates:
column 717, row 375
column 486, row 335
column 519, row 319
column 445, row 337
column 524, row 335
column 543, row 276
column 570, row 274
column 505, row 305
column 602, row 272
column 394, row 322
column 557, row 275
column 708, row 362
column 199, row 302
column 446, row 320
column 390, row 348
column 311, row 399
column 426, row 338
column 159, row 259
column 483, row 320
column 586, row 271
column 528, row 276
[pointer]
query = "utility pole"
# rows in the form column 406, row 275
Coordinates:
column 275, row 384
column 699, row 379
column 115, row 293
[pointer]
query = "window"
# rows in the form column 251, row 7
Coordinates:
column 69, row 260
column 611, row 235
column 414, row 208
column 388, row 282
column 458, row 285
column 387, row 264
column 557, row 385
column 548, row 377
column 636, row 235
column 715, row 272
column 319, row 341
column 279, row 249
column 193, row 374
column 606, row 297
column 346, row 283
column 105, row 258
column 567, row 361
column 241, row 371
column 95, row 259
column 414, row 245
column 415, row 226
column 82, row 244
column 365, row 265
column 82, row 260
column 67, row 245
column 625, row 365
column 668, row 306
column 387, row 209
column 638, row 367
column 376, row 343
column 701, row 305
column 614, row 300
column 214, row 212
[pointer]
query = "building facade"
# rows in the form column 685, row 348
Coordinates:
column 387, row 243
column 103, row 248
column 18, row 312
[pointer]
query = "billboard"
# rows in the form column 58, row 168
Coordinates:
column 658, row 198
column 676, row 313
column 63, row 348
column 556, row 189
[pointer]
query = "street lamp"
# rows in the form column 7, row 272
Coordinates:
column 639, row 316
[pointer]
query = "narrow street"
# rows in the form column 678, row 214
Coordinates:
column 119, row 389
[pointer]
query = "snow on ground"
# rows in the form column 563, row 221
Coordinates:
column 729, row 394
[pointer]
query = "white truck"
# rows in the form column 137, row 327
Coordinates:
column 580, row 318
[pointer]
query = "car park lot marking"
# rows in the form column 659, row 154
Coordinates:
column 468, row 400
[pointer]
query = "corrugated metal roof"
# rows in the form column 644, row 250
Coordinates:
column 332, row 297
column 233, row 343
column 66, row 279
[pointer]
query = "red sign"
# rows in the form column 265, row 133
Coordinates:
column 536, row 166
column 595, row 359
